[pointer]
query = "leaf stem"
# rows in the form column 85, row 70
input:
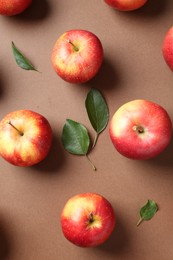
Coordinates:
column 139, row 221
column 95, row 140
column 93, row 166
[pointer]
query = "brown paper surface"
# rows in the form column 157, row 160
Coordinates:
column 31, row 199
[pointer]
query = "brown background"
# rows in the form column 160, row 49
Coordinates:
column 31, row 199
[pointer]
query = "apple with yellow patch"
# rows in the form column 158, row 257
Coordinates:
column 140, row 129
column 87, row 220
column 13, row 7
column 126, row 5
column 77, row 56
column 25, row 137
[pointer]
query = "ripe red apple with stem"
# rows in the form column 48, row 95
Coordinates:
column 87, row 220
column 126, row 5
column 77, row 56
column 140, row 129
column 167, row 48
column 25, row 137
column 13, row 7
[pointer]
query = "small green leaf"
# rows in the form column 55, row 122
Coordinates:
column 21, row 60
column 97, row 111
column 147, row 211
column 75, row 138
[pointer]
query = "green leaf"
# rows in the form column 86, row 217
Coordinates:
column 21, row 60
column 97, row 111
column 147, row 211
column 75, row 138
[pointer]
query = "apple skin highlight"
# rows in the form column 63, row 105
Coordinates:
column 77, row 56
column 13, row 7
column 30, row 144
column 140, row 129
column 76, row 221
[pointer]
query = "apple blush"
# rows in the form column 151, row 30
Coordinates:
column 167, row 48
column 140, row 129
column 25, row 138
column 77, row 56
column 126, row 5
column 13, row 7
column 87, row 220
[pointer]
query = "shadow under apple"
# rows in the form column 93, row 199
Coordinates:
column 118, row 239
column 5, row 244
column 55, row 158
column 164, row 159
column 149, row 10
column 152, row 8
column 38, row 10
column 4, row 81
column 107, row 77
column 2, row 86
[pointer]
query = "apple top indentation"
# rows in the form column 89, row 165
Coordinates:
column 139, row 129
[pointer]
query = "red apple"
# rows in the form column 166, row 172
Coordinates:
column 77, row 56
column 87, row 220
column 13, row 7
column 167, row 48
column 126, row 5
column 25, row 137
column 140, row 129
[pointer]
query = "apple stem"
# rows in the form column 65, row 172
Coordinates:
column 93, row 166
column 21, row 133
column 139, row 222
column 95, row 140
column 74, row 46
